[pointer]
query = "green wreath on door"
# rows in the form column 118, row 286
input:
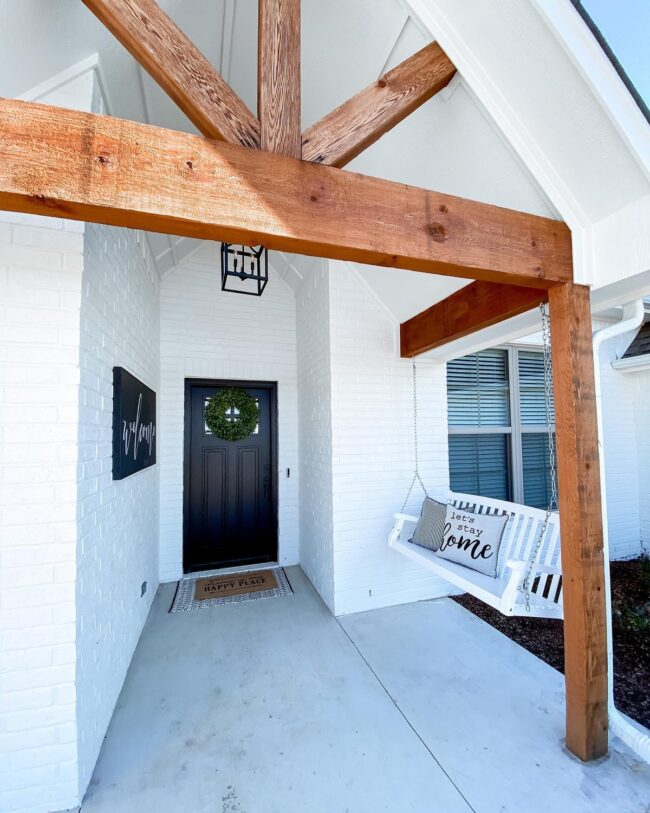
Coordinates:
column 221, row 405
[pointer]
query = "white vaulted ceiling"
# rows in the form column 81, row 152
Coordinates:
column 450, row 144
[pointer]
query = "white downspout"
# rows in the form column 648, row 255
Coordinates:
column 638, row 739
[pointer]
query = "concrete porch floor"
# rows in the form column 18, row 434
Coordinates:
column 275, row 706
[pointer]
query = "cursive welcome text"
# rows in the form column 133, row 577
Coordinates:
column 134, row 433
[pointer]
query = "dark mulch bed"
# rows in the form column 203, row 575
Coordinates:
column 631, row 622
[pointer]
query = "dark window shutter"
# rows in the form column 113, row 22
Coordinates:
column 477, row 388
column 532, row 402
column 479, row 464
column 537, row 472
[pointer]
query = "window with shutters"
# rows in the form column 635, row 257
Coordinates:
column 498, row 445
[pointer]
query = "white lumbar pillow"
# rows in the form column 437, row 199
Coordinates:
column 472, row 540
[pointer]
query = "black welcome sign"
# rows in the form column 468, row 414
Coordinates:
column 134, row 424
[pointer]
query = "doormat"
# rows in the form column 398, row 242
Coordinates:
column 231, row 588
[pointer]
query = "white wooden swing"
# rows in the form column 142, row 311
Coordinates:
column 530, row 571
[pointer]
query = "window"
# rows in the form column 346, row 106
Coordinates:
column 230, row 416
column 498, row 444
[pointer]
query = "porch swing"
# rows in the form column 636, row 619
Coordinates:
column 529, row 571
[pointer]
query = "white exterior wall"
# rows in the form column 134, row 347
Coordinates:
column 619, row 407
column 41, row 262
column 206, row 333
column 315, row 432
column 642, row 410
column 74, row 546
column 372, row 448
column 117, row 520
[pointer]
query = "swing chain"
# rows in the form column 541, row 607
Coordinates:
column 548, row 399
column 416, row 473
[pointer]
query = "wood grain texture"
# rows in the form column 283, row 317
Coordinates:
column 175, row 63
column 585, row 635
column 477, row 306
column 345, row 132
column 278, row 76
column 102, row 169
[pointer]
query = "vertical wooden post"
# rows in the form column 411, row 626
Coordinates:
column 585, row 633
column 278, row 77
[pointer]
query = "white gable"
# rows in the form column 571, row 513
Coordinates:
column 527, row 124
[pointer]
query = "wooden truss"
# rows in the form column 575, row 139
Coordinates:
column 257, row 179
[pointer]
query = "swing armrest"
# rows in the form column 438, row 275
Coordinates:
column 406, row 517
column 400, row 519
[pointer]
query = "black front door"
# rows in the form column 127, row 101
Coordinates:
column 230, row 505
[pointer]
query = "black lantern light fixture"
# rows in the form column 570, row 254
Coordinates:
column 248, row 265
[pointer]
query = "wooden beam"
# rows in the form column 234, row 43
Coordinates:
column 474, row 307
column 97, row 168
column 278, row 76
column 585, row 635
column 345, row 132
column 181, row 70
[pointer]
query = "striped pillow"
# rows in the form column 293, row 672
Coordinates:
column 431, row 525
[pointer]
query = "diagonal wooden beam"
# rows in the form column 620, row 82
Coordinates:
column 180, row 69
column 278, row 76
column 345, row 132
column 474, row 307
column 105, row 170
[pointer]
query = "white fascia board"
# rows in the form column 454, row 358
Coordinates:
column 634, row 364
column 431, row 16
column 618, row 293
column 602, row 78
column 621, row 245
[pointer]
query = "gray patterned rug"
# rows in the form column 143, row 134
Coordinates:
column 196, row 593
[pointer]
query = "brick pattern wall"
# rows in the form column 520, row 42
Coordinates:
column 642, row 414
column 372, row 448
column 206, row 333
column 41, row 262
column 118, row 520
column 620, row 436
column 315, row 416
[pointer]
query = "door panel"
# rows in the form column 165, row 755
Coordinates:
column 214, row 489
column 248, row 478
column 230, row 505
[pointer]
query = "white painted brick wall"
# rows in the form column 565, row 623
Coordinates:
column 68, row 300
column 642, row 414
column 315, row 416
column 41, row 261
column 206, row 333
column 118, row 520
column 372, row 448
column 620, row 436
